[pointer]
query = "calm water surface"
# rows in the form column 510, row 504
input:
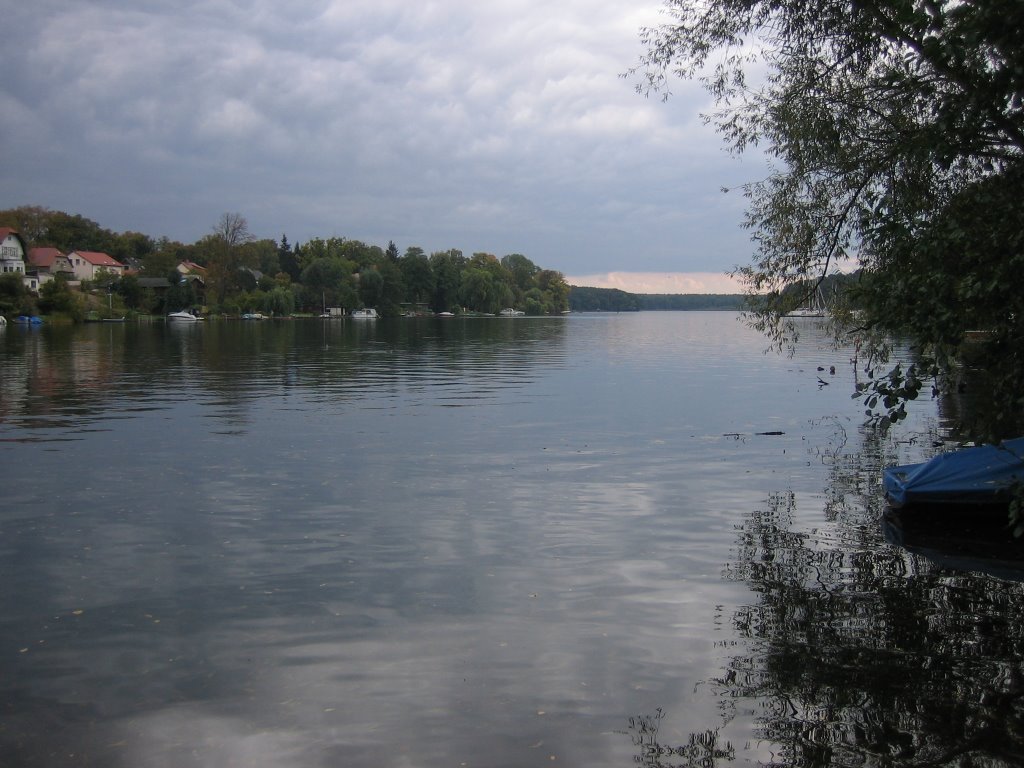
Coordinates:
column 491, row 542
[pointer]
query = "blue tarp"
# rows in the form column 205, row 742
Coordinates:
column 981, row 475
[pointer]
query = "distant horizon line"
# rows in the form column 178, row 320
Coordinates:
column 673, row 283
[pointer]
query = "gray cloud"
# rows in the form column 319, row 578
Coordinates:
column 453, row 124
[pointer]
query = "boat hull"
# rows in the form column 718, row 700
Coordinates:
column 979, row 476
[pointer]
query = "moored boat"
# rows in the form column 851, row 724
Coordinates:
column 367, row 313
column 182, row 317
column 980, row 476
column 814, row 307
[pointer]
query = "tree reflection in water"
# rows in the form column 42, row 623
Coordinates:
column 857, row 652
column 702, row 750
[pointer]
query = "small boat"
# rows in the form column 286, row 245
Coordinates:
column 26, row 320
column 365, row 314
column 183, row 317
column 253, row 316
column 979, row 476
column 510, row 312
column 815, row 307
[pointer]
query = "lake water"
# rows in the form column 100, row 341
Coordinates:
column 481, row 542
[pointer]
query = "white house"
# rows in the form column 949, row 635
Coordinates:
column 12, row 251
column 88, row 264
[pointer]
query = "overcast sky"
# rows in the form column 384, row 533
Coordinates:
column 500, row 126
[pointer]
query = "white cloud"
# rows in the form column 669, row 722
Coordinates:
column 661, row 282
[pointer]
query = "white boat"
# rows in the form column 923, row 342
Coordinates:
column 510, row 312
column 253, row 316
column 815, row 307
column 806, row 312
column 183, row 317
column 365, row 314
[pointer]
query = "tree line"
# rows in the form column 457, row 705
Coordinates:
column 244, row 273
column 586, row 299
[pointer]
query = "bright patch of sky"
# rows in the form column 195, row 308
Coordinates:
column 502, row 127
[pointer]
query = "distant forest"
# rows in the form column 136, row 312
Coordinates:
column 828, row 291
column 614, row 300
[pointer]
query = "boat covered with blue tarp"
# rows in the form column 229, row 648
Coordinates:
column 980, row 475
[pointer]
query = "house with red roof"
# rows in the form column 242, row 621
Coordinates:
column 12, row 251
column 88, row 264
column 48, row 262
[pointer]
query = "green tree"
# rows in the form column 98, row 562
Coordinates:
column 164, row 258
column 41, row 226
column 485, row 286
column 523, row 272
column 264, row 255
column 56, row 297
column 371, row 287
column 75, row 232
column 131, row 245
column 533, row 302
column 447, row 267
column 14, row 296
column 31, row 221
column 417, row 275
column 554, row 288
column 181, row 294
column 130, row 290
column 311, row 251
column 279, row 301
column 897, row 132
column 329, row 281
column 477, row 290
column 393, row 291
column 490, row 295
column 602, row 300
column 227, row 256
column 287, row 259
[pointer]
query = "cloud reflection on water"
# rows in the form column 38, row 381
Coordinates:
column 357, row 573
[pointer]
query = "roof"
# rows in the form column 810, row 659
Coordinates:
column 43, row 257
column 6, row 232
column 186, row 267
column 99, row 259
